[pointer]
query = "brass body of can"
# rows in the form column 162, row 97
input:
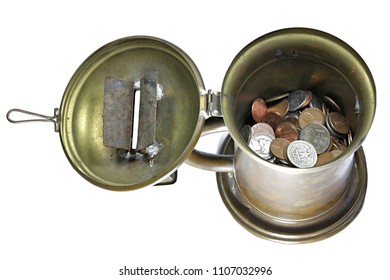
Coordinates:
column 285, row 203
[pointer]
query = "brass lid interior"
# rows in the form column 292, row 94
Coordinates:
column 178, row 124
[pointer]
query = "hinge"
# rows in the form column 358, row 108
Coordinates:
column 213, row 103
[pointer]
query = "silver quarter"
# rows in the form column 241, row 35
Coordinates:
column 301, row 154
column 261, row 144
column 262, row 128
column 317, row 135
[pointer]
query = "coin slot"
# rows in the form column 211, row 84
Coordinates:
column 136, row 107
column 130, row 116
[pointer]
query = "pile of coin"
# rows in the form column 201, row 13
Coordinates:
column 298, row 129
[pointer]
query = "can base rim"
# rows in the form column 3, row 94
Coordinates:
column 295, row 232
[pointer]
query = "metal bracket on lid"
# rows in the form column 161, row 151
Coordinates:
column 118, row 113
column 147, row 114
column 130, row 112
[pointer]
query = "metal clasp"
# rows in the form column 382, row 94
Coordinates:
column 41, row 118
column 213, row 103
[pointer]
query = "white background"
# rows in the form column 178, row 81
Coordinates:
column 56, row 225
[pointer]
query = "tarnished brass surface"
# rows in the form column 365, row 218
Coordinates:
column 316, row 228
column 283, row 61
column 178, row 127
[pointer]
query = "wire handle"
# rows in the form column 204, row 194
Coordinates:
column 39, row 117
column 208, row 161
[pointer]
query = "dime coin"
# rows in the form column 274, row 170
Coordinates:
column 259, row 109
column 260, row 144
column 279, row 147
column 318, row 136
column 287, row 131
column 301, row 154
column 272, row 118
column 262, row 128
column 311, row 115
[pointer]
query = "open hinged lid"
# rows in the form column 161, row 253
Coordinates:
column 132, row 113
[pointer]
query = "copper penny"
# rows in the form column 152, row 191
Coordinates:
column 333, row 141
column 259, row 109
column 332, row 104
column 272, row 118
column 324, row 158
column 325, row 109
column 293, row 121
column 341, row 146
column 280, row 107
column 279, row 148
column 292, row 117
column 309, row 97
column 336, row 153
column 287, row 131
column 338, row 144
column 277, row 97
column 338, row 123
column 311, row 116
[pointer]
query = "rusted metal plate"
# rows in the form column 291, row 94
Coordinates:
column 147, row 111
column 118, row 113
